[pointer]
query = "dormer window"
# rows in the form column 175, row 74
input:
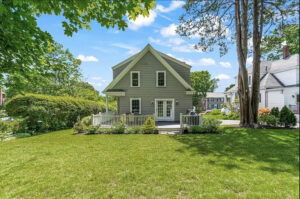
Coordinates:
column 160, row 78
column 135, row 79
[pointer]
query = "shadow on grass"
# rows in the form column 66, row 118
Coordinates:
column 279, row 148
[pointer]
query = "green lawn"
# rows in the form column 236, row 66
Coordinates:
column 240, row 163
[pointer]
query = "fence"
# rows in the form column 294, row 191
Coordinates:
column 190, row 120
column 107, row 120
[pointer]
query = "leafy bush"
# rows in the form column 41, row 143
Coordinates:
column 92, row 129
column 87, row 121
column 3, row 113
column 149, row 126
column 263, row 110
column 287, row 117
column 210, row 125
column 104, row 130
column 268, row 120
column 275, row 112
column 195, row 129
column 215, row 112
column 233, row 116
column 7, row 127
column 79, row 127
column 134, row 130
column 44, row 113
column 118, row 128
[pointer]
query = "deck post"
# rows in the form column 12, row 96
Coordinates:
column 106, row 104
column 181, row 122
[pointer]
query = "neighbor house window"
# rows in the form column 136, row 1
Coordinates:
column 135, row 79
column 135, row 105
column 249, row 80
column 298, row 99
column 160, row 78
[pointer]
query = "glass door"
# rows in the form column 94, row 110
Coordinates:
column 164, row 109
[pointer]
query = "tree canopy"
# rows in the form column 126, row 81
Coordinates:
column 202, row 83
column 272, row 44
column 229, row 87
column 23, row 44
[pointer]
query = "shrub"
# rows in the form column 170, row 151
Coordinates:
column 287, row 117
column 87, row 121
column 268, row 120
column 118, row 128
column 134, row 129
column 104, row 130
column 149, row 126
column 263, row 110
column 210, row 125
column 195, row 129
column 79, row 127
column 215, row 112
column 7, row 127
column 44, row 113
column 92, row 129
column 275, row 112
column 233, row 116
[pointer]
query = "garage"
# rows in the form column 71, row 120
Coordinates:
column 275, row 99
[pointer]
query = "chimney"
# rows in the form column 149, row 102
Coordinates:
column 285, row 52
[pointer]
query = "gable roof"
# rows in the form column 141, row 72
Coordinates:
column 135, row 58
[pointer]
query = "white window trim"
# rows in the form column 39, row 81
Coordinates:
column 165, row 78
column 139, row 78
column 140, row 103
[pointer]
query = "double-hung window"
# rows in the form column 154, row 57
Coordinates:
column 135, row 105
column 160, row 78
column 135, row 79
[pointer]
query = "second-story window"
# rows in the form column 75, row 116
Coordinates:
column 160, row 78
column 135, row 79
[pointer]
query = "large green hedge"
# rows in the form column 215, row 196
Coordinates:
column 43, row 112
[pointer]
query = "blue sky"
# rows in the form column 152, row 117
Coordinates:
column 101, row 48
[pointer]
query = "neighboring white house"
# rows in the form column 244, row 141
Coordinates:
column 214, row 100
column 279, row 83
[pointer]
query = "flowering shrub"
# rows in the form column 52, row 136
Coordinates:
column 263, row 110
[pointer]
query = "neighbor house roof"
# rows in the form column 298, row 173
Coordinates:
column 131, row 61
column 215, row 95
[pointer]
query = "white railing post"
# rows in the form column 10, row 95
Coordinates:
column 181, row 122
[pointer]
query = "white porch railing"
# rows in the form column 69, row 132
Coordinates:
column 190, row 120
column 130, row 120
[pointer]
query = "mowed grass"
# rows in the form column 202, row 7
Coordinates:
column 241, row 163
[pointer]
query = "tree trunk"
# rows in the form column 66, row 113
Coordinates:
column 257, row 32
column 241, row 11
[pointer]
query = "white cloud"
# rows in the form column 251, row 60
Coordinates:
column 207, row 62
column 158, row 42
column 87, row 58
column 141, row 21
column 222, row 76
column 176, row 40
column 225, row 64
column 168, row 31
column 131, row 49
column 173, row 6
column 249, row 61
column 96, row 84
column 99, row 79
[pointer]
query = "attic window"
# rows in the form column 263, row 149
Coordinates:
column 160, row 78
column 135, row 79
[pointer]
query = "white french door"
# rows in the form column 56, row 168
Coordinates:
column 164, row 109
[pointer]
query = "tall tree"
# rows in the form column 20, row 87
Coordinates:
column 229, row 87
column 60, row 71
column 23, row 43
column 272, row 44
column 202, row 83
column 212, row 21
